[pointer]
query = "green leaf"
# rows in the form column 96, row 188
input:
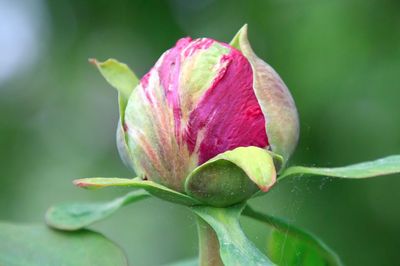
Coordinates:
column 153, row 188
column 289, row 245
column 188, row 262
column 232, row 177
column 22, row 245
column 235, row 247
column 384, row 166
column 74, row 216
column 287, row 250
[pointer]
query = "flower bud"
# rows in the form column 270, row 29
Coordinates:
column 201, row 99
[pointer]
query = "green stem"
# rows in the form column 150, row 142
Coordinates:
column 234, row 247
column 208, row 245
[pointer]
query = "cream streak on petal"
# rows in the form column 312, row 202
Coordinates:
column 151, row 136
column 198, row 71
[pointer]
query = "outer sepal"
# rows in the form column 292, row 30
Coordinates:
column 232, row 177
column 277, row 105
column 122, row 146
column 122, row 78
column 151, row 187
column 119, row 75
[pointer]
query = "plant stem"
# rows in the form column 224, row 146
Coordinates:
column 208, row 245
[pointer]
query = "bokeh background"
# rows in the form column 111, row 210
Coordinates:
column 341, row 60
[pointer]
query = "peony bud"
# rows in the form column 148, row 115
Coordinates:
column 203, row 98
column 188, row 119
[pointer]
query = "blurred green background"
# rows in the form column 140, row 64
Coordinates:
column 341, row 60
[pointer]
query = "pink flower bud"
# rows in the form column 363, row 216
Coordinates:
column 200, row 100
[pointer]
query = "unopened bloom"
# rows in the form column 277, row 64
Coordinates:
column 203, row 98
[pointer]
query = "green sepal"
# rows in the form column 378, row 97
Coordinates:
column 151, row 187
column 119, row 76
column 278, row 161
column 235, row 247
column 122, row 146
column 384, row 166
column 290, row 245
column 38, row 245
column 122, row 78
column 232, row 177
column 274, row 98
column 187, row 262
column 75, row 216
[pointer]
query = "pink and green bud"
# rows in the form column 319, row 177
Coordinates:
column 204, row 98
